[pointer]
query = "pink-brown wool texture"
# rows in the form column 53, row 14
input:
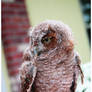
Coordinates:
column 50, row 62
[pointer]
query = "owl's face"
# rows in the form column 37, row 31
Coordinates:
column 50, row 36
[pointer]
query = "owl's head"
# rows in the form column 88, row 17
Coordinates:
column 51, row 37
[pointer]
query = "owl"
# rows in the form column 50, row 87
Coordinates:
column 50, row 63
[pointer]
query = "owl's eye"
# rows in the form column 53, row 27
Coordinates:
column 47, row 40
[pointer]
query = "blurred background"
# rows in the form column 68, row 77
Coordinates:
column 19, row 15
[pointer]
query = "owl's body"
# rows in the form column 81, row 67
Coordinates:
column 50, row 62
column 54, row 77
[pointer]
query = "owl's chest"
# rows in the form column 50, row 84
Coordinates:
column 52, row 79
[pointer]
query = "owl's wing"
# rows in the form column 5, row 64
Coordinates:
column 27, row 73
column 78, row 67
column 77, row 71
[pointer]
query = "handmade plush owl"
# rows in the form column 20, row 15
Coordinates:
column 50, row 62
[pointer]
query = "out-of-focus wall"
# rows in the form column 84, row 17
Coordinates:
column 67, row 11
column 15, row 25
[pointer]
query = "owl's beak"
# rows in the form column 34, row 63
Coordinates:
column 36, row 52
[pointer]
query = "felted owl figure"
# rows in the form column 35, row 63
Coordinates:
column 50, row 63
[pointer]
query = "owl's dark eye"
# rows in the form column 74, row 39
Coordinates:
column 47, row 40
